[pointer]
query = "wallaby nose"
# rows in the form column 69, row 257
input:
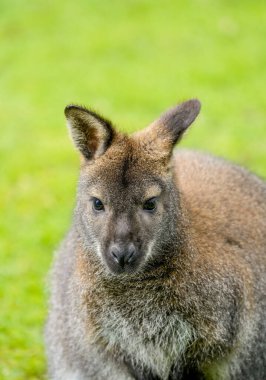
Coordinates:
column 123, row 255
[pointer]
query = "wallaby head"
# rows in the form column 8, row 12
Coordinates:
column 128, row 205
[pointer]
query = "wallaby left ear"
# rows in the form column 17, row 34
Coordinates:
column 165, row 132
column 177, row 119
column 91, row 133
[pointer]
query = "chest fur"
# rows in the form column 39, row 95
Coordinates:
column 149, row 336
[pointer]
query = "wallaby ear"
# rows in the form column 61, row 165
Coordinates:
column 176, row 120
column 91, row 133
column 166, row 131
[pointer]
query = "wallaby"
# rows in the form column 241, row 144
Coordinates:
column 162, row 274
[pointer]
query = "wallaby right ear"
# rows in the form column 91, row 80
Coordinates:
column 91, row 133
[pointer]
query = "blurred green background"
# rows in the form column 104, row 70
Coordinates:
column 130, row 60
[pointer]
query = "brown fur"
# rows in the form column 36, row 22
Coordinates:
column 191, row 303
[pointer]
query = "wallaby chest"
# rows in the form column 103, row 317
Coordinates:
column 140, row 326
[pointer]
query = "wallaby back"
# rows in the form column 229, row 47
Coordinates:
column 162, row 274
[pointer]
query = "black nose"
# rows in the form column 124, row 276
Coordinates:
column 123, row 255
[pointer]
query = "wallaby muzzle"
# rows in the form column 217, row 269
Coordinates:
column 122, row 258
column 123, row 252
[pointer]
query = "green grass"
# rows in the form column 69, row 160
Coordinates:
column 130, row 60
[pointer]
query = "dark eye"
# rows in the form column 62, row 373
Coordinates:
column 97, row 204
column 150, row 204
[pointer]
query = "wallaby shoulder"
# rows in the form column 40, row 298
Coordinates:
column 223, row 198
column 207, row 174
